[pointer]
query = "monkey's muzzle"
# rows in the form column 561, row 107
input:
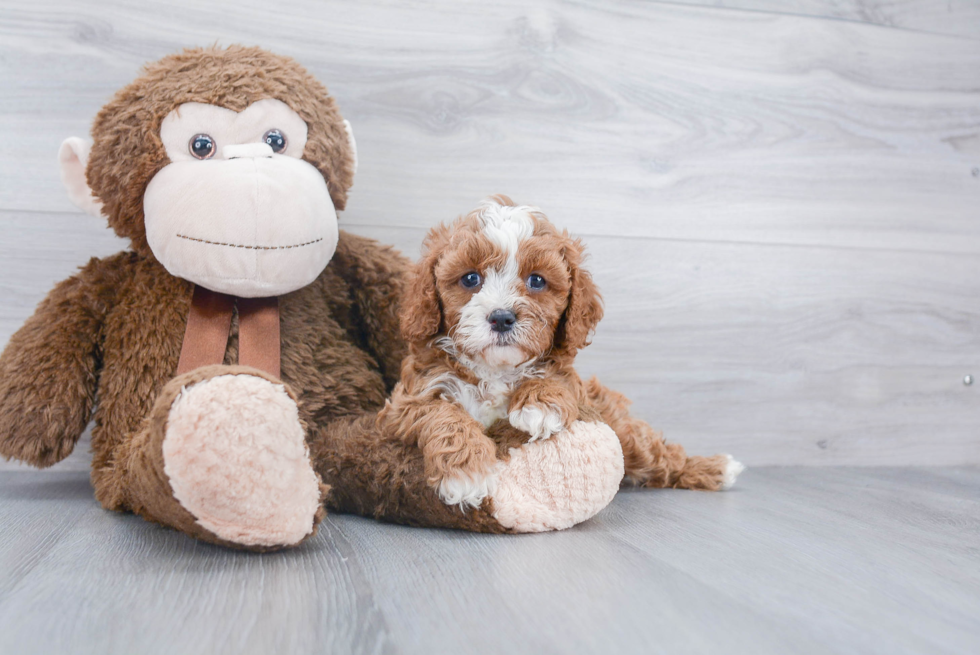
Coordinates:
column 251, row 224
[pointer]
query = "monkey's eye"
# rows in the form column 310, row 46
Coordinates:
column 276, row 140
column 535, row 282
column 471, row 280
column 201, row 146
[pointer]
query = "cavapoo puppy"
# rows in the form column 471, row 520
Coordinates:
column 497, row 310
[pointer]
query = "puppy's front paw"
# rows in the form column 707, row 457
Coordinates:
column 539, row 421
column 467, row 489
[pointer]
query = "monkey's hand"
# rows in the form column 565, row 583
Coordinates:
column 48, row 371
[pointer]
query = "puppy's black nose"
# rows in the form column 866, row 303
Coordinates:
column 502, row 320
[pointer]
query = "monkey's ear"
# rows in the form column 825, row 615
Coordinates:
column 351, row 141
column 72, row 158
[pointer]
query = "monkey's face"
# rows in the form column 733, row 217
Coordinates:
column 225, row 164
column 237, row 209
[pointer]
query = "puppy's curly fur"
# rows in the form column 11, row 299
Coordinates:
column 498, row 308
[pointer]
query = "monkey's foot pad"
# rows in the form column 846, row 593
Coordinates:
column 236, row 456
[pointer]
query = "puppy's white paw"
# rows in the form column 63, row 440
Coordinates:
column 539, row 421
column 732, row 470
column 467, row 490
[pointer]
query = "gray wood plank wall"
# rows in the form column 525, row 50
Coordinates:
column 781, row 199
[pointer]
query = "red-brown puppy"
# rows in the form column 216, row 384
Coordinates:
column 499, row 307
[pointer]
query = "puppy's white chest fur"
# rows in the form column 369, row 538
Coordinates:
column 486, row 402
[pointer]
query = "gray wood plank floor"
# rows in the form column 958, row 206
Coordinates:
column 793, row 560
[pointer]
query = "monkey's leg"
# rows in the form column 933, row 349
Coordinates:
column 546, row 485
column 650, row 461
column 222, row 457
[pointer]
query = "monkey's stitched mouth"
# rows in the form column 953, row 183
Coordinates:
column 236, row 245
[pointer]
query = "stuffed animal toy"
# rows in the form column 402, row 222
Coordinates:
column 235, row 359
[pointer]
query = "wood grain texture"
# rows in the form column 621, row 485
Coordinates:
column 794, row 560
column 953, row 17
column 780, row 201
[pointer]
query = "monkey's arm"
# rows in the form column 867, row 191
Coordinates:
column 376, row 276
column 49, row 369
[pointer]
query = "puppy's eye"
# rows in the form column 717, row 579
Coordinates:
column 535, row 282
column 276, row 140
column 471, row 280
column 201, row 146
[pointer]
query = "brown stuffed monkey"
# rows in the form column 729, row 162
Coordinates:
column 235, row 358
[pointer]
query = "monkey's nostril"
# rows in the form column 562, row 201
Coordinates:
column 502, row 320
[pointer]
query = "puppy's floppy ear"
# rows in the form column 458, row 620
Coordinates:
column 421, row 312
column 584, row 310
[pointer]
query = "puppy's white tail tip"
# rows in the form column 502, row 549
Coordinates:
column 732, row 470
